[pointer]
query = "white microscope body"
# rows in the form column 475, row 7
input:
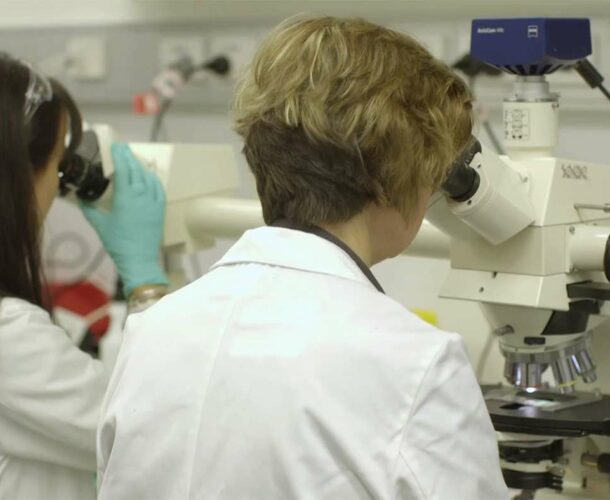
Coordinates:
column 189, row 173
column 536, row 225
column 531, row 245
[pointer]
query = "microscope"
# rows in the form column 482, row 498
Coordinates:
column 193, row 177
column 530, row 243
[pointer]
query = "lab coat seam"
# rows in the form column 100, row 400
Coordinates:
column 442, row 349
column 365, row 283
column 448, row 377
column 419, row 487
column 221, row 341
column 405, row 428
column 434, row 358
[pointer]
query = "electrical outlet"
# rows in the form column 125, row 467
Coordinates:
column 238, row 49
column 172, row 49
column 85, row 58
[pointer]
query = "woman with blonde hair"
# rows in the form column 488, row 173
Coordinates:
column 289, row 374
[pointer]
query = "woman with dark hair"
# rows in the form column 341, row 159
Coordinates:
column 50, row 391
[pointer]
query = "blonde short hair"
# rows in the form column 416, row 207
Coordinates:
column 338, row 113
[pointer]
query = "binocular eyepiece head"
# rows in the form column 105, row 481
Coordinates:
column 81, row 171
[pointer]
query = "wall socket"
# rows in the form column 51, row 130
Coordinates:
column 85, row 58
column 171, row 49
column 238, row 49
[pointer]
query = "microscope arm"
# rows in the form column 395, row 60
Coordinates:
column 227, row 217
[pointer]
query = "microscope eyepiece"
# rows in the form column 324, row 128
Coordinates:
column 463, row 180
column 81, row 170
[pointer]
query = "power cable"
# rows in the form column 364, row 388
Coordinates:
column 170, row 81
column 592, row 76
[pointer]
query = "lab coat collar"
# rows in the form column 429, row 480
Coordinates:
column 290, row 248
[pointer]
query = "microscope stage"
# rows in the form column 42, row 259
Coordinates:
column 547, row 413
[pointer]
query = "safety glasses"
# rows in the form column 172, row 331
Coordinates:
column 39, row 91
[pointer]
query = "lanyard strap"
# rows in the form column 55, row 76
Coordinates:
column 318, row 231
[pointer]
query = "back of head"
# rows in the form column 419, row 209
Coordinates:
column 340, row 113
column 25, row 149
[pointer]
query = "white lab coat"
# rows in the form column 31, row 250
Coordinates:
column 50, row 397
column 283, row 374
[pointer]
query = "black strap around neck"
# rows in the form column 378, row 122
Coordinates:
column 322, row 233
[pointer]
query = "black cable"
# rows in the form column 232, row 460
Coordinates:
column 158, row 120
column 167, row 85
column 589, row 73
column 594, row 78
column 220, row 66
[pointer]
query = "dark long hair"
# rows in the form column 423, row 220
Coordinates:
column 25, row 150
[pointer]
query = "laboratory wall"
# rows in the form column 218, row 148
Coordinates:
column 133, row 51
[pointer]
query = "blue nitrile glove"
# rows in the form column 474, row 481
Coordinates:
column 131, row 233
